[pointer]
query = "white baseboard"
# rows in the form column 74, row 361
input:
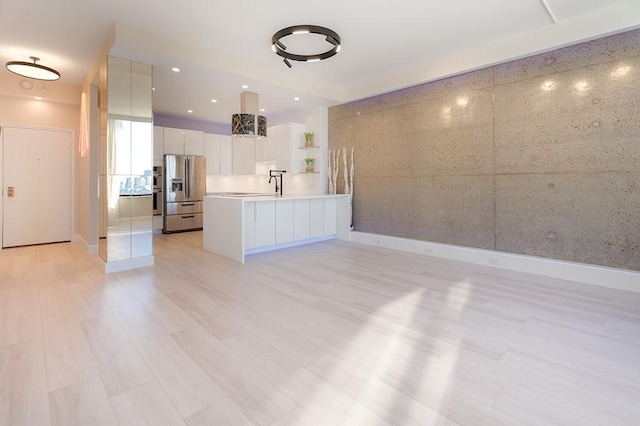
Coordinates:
column 124, row 265
column 602, row 276
column 91, row 248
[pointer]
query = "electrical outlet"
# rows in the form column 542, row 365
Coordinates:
column 427, row 250
column 377, row 242
column 493, row 261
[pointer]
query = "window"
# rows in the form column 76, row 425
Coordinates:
column 133, row 145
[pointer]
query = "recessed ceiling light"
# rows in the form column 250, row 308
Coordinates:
column 189, row 111
column 175, row 69
column 26, row 85
column 244, row 86
column 38, row 98
column 261, row 109
column 153, row 88
column 214, row 100
column 296, row 98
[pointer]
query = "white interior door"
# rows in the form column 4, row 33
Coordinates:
column 37, row 165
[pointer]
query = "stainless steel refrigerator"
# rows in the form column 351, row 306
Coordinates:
column 184, row 190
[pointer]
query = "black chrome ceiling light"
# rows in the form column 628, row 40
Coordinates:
column 281, row 50
column 33, row 70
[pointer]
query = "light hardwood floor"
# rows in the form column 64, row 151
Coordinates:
column 327, row 334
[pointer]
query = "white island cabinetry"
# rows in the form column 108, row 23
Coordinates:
column 235, row 227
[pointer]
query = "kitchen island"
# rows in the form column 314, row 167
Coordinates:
column 237, row 225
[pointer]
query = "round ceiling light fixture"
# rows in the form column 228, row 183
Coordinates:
column 33, row 70
column 281, row 50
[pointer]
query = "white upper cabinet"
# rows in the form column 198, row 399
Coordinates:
column 289, row 138
column 212, row 153
column 173, row 141
column 261, row 151
column 193, row 142
column 266, row 147
column 158, row 144
column 266, row 153
column 225, row 154
column 183, row 142
column 217, row 150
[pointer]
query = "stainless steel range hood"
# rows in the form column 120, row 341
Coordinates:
column 248, row 123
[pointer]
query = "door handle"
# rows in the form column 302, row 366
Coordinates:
column 188, row 204
column 188, row 217
column 10, row 191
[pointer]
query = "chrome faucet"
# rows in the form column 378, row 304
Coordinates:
column 275, row 174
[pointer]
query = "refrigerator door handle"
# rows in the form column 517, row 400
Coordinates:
column 187, row 180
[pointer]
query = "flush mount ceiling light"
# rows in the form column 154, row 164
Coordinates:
column 281, row 50
column 33, row 70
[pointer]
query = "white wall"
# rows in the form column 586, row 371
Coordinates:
column 58, row 109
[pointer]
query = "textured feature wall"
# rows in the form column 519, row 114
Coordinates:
column 538, row 156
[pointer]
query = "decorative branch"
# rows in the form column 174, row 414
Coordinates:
column 346, row 170
column 335, row 171
column 329, row 174
column 351, row 174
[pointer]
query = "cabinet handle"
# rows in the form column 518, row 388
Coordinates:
column 188, row 204
column 187, row 217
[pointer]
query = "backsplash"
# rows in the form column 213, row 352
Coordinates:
column 294, row 184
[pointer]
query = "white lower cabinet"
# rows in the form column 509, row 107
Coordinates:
column 235, row 227
column 272, row 222
column 284, row 221
column 316, row 217
column 265, row 222
column 249, row 218
column 301, row 219
column 329, row 215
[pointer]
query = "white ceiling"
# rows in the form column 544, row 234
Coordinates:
column 220, row 45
